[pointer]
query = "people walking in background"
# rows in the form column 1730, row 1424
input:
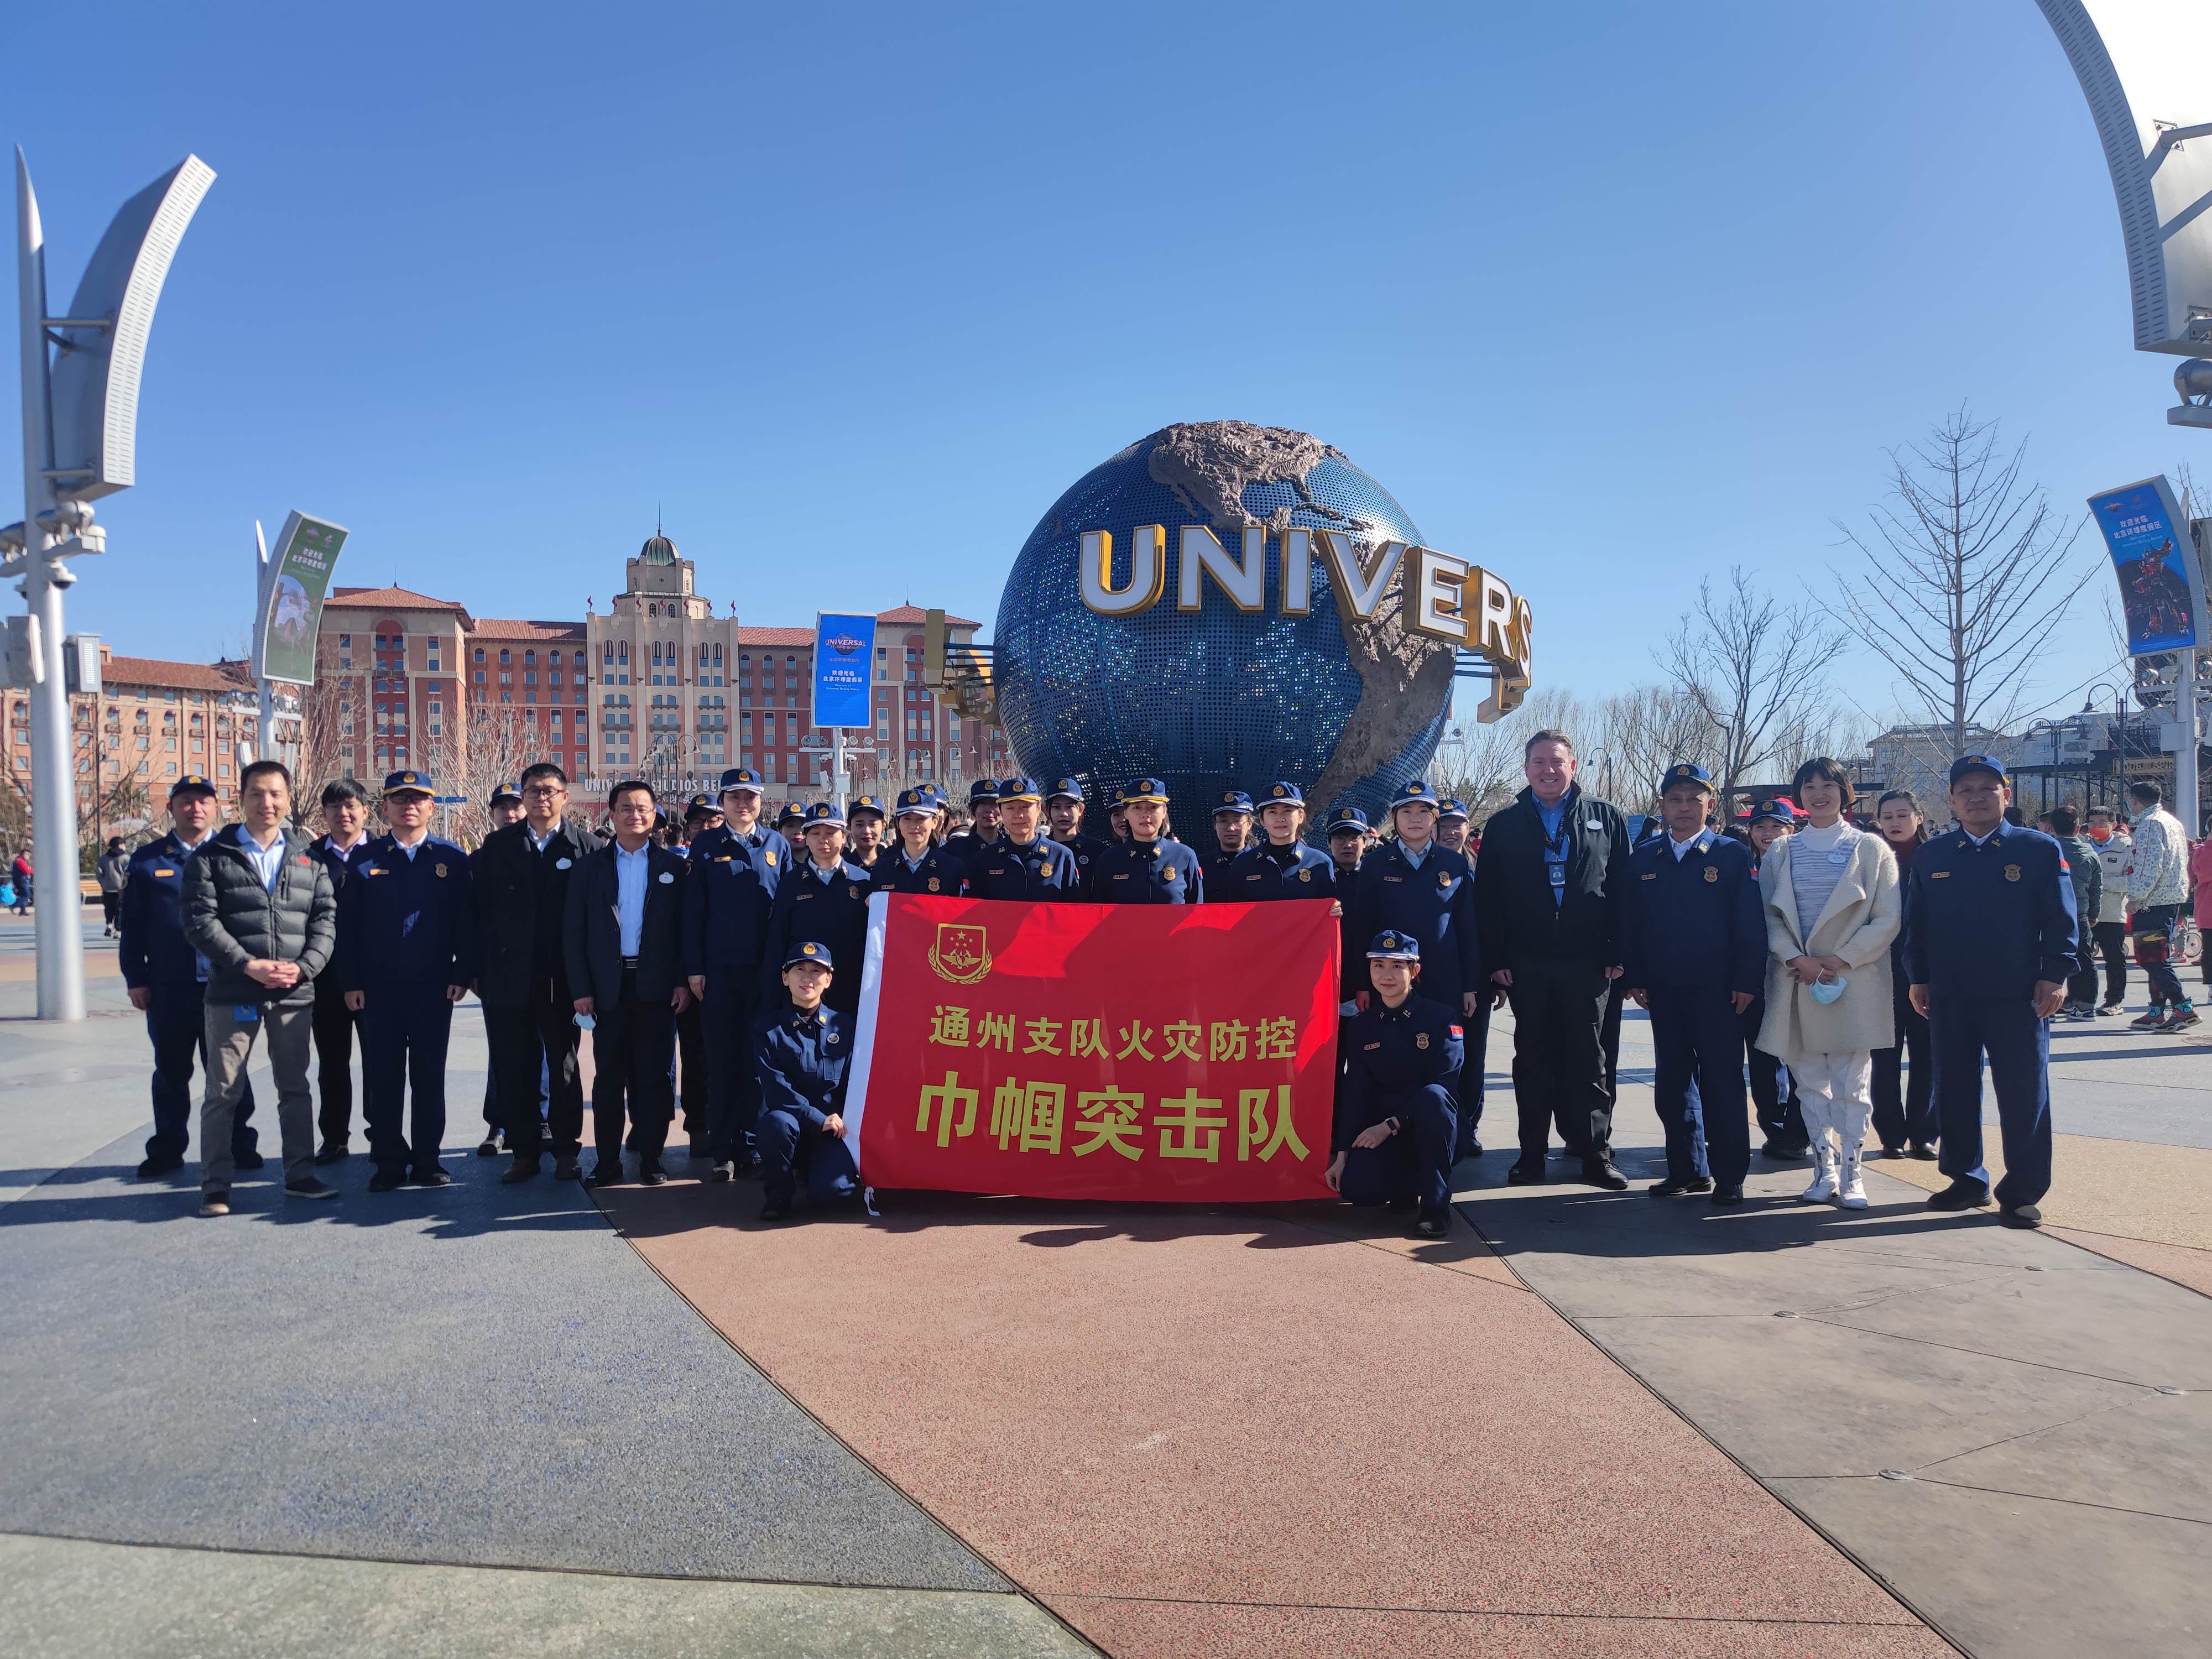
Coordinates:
column 1904, row 1071
column 2087, row 873
column 21, row 870
column 2200, row 881
column 2108, row 929
column 111, row 870
column 2157, row 886
column 1831, row 911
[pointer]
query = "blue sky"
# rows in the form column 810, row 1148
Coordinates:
column 1608, row 296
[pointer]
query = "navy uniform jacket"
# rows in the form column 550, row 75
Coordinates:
column 1213, row 863
column 1986, row 922
column 1043, row 870
column 1265, row 872
column 802, row 1060
column 407, row 921
column 968, row 848
column 939, row 872
column 834, row 913
column 728, row 896
column 1132, row 872
column 1697, row 921
column 1390, row 1055
column 153, row 950
column 1086, row 848
column 1435, row 903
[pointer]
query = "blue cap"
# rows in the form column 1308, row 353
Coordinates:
column 741, row 777
column 1019, row 789
column 191, row 783
column 505, row 792
column 1449, row 808
column 1391, row 945
column 1138, row 789
column 1347, row 818
column 865, row 803
column 807, row 950
column 916, row 804
column 1282, row 792
column 791, row 813
column 821, row 811
column 1413, row 792
column 1234, row 800
column 981, row 790
column 1685, row 772
column 1777, row 810
column 701, row 806
column 408, row 783
column 1065, row 789
column 1966, row 763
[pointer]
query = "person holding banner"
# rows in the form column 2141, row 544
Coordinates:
column 802, row 1056
column 736, row 869
column 918, row 864
column 1146, row 869
column 826, row 903
column 1397, row 1115
column 1282, row 866
column 1022, row 864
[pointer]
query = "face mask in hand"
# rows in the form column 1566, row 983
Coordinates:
column 1828, row 990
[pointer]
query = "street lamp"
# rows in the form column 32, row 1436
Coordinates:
column 80, row 442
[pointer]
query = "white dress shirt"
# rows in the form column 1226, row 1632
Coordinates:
column 631, row 871
column 268, row 860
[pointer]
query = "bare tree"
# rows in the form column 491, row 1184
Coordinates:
column 1967, row 572
column 1754, row 666
column 1480, row 765
column 1646, row 730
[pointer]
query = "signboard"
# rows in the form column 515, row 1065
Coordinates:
column 292, row 593
column 844, row 658
column 1121, row 1051
column 2161, row 591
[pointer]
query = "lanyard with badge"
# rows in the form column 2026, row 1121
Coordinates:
column 1557, row 843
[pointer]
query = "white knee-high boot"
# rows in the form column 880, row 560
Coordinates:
column 1850, row 1126
column 1817, row 1124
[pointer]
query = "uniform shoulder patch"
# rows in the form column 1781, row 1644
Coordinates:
column 1455, row 1031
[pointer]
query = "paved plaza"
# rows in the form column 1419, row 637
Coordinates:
column 491, row 1420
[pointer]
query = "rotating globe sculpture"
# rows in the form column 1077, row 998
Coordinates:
column 1345, row 707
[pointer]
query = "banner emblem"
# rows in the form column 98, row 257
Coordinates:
column 962, row 953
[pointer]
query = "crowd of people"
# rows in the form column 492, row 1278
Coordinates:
column 1814, row 968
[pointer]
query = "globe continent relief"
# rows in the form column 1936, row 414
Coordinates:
column 1222, row 699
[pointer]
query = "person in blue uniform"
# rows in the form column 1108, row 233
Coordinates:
column 694, row 1084
column 824, row 902
column 802, row 1054
column 502, row 810
column 1282, row 865
column 406, row 926
column 1452, row 826
column 1693, row 942
column 1991, row 937
column 1395, row 1131
column 1347, row 834
column 1024, row 863
column 1232, row 833
column 1063, row 811
column 345, row 843
column 1774, row 1099
column 1146, row 869
column 866, row 822
column 967, row 844
column 917, row 863
column 736, row 869
column 168, row 981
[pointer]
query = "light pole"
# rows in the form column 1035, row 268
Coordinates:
column 80, row 438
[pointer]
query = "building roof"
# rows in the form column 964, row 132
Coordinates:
column 505, row 628
column 120, row 672
column 658, row 550
column 779, row 636
column 914, row 616
column 393, row 598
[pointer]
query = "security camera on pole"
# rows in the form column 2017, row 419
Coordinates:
column 80, row 437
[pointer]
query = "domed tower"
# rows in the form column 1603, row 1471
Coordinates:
column 661, row 663
column 659, row 573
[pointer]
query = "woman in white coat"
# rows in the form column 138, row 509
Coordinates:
column 1832, row 910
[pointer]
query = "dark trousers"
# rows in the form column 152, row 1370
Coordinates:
column 1773, row 1090
column 733, row 1096
column 1414, row 1163
column 632, row 1044
column 529, row 1044
column 2018, row 1045
column 2113, row 945
column 2156, row 956
column 1698, row 1083
column 334, row 1027
column 176, row 1025
column 1558, row 1056
column 692, row 1092
column 1903, row 1106
column 1477, row 1028
column 405, row 1030
column 1609, row 1040
column 789, row 1148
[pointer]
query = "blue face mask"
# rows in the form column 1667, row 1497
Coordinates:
column 1826, row 991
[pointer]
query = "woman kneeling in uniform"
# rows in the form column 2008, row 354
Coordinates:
column 1397, row 1118
column 801, row 1055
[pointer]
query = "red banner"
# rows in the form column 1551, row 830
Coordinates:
column 1162, row 1052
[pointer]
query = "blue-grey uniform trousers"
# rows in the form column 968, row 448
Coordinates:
column 1698, row 1083
column 1416, row 1161
column 2018, row 1045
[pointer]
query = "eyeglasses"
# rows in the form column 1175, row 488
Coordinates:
column 544, row 791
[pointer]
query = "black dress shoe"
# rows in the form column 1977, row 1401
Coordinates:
column 654, row 1175
column 1961, row 1195
column 2021, row 1215
column 488, row 1146
column 159, row 1166
column 329, row 1152
column 1436, row 1224
column 248, row 1160
column 1669, row 1187
column 1891, row 1151
column 313, row 1187
column 432, row 1176
column 566, row 1169
column 1525, row 1174
column 1603, row 1172
column 1473, row 1148
column 517, row 1172
column 607, row 1172
column 1727, row 1198
column 1923, row 1149
column 773, row 1210
column 387, row 1181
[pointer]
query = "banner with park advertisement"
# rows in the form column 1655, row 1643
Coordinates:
column 1163, row 1053
column 293, row 590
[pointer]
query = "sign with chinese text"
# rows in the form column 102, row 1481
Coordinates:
column 1181, row 1054
column 844, row 655
column 293, row 587
column 2161, row 593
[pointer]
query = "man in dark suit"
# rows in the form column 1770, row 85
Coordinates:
column 623, row 938
column 520, row 877
column 343, row 846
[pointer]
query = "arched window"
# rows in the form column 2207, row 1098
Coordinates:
column 625, row 650
column 608, row 651
column 718, row 656
column 505, row 658
column 529, row 659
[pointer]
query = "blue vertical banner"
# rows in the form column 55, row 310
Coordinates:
column 2161, row 589
column 844, row 656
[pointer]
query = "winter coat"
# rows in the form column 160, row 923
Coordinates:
column 1857, row 925
column 231, row 919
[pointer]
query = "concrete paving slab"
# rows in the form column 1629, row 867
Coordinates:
column 2145, row 1454
column 64, row 1596
column 2177, row 1263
